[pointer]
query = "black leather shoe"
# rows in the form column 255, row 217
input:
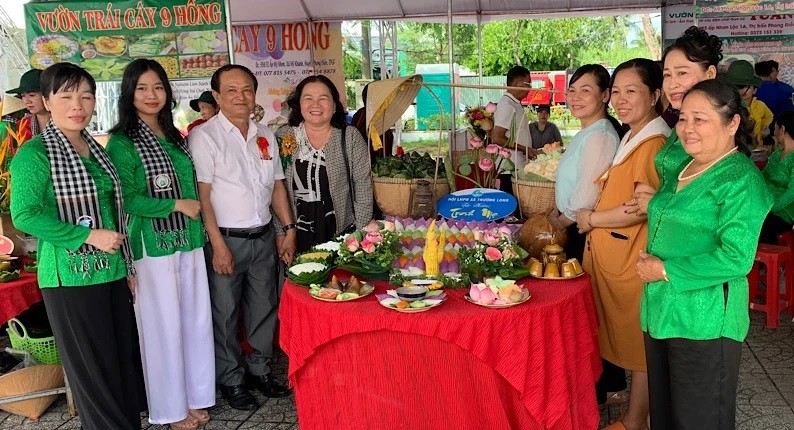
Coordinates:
column 267, row 385
column 239, row 397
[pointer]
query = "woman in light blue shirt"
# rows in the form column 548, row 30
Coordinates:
column 589, row 154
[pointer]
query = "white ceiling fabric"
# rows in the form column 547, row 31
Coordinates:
column 463, row 11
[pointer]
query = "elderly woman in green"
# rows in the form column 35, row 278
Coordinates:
column 67, row 193
column 702, row 235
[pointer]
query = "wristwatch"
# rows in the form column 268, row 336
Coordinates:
column 290, row 226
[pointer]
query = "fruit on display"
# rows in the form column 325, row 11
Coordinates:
column 496, row 291
column 339, row 291
column 537, row 232
column 204, row 61
column 196, row 42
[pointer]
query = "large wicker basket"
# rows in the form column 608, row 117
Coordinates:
column 534, row 196
column 393, row 195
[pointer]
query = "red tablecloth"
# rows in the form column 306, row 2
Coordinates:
column 17, row 296
column 360, row 365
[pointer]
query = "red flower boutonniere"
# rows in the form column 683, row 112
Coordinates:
column 264, row 147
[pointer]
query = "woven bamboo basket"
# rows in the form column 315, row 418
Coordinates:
column 534, row 196
column 393, row 195
column 29, row 380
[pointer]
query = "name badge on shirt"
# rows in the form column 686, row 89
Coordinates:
column 85, row 221
column 162, row 183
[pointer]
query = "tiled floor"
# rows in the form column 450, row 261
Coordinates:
column 765, row 399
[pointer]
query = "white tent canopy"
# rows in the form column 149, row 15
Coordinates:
column 464, row 11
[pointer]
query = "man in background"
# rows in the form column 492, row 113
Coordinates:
column 510, row 115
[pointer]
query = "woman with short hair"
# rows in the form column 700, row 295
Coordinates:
column 702, row 236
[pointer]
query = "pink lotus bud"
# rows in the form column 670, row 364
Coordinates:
column 505, row 153
column 492, row 148
column 367, row 246
column 474, row 292
column 486, row 164
column 352, row 244
column 486, row 124
column 490, row 107
column 505, row 231
column 491, row 238
column 475, row 142
column 487, row 296
column 374, row 237
column 491, row 254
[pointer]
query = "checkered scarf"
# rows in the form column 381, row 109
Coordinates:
column 162, row 182
column 77, row 201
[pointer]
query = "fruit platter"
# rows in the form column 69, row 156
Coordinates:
column 337, row 291
column 497, row 293
column 109, row 46
column 411, row 299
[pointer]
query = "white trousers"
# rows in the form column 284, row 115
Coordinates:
column 172, row 309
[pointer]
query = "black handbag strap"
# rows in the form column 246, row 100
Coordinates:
column 347, row 170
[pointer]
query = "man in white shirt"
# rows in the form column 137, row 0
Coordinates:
column 239, row 178
column 508, row 111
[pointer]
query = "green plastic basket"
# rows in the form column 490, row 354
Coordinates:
column 43, row 349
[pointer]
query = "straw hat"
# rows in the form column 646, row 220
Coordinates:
column 387, row 100
column 11, row 104
column 31, row 379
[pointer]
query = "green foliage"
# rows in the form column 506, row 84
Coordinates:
column 426, row 43
column 411, row 166
column 352, row 61
column 539, row 44
column 442, row 121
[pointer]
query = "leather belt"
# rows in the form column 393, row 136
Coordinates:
column 245, row 233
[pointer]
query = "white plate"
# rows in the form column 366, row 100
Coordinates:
column 524, row 297
column 368, row 287
column 430, row 305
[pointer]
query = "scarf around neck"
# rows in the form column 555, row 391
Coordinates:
column 77, row 200
column 162, row 182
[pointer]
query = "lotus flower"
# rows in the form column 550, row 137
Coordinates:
column 368, row 246
column 389, row 226
column 505, row 232
column 492, row 148
column 486, row 124
column 490, row 107
column 374, row 237
column 352, row 244
column 483, row 294
column 491, row 253
column 486, row 164
column 475, row 142
column 505, row 153
column 491, row 238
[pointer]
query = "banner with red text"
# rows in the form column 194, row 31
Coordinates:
column 753, row 38
column 280, row 55
column 188, row 37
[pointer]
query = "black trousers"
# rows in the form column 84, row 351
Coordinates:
column 94, row 327
column 773, row 225
column 613, row 379
column 576, row 242
column 692, row 383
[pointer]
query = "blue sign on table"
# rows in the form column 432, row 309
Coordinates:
column 477, row 204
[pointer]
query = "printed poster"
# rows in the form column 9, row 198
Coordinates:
column 280, row 57
column 753, row 38
column 187, row 37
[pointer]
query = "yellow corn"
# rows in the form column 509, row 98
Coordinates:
column 430, row 253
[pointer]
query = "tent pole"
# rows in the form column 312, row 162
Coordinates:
column 479, row 54
column 453, row 105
